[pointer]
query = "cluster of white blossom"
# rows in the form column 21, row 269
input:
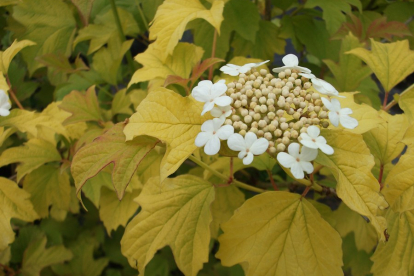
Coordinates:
column 4, row 104
column 281, row 115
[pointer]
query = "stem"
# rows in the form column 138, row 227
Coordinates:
column 142, row 15
column 272, row 180
column 394, row 102
column 121, row 34
column 380, row 176
column 268, row 11
column 222, row 176
column 384, row 103
column 213, row 53
column 231, row 170
column 307, row 187
column 12, row 95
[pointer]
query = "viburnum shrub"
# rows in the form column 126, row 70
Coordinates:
column 244, row 137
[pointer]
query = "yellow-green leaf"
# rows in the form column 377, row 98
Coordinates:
column 36, row 257
column 84, row 8
column 84, row 107
column 171, row 118
column 172, row 17
column 278, row 233
column 351, row 165
column 227, row 200
column 396, row 256
column 175, row 212
column 409, row 136
column 7, row 56
column 31, row 156
column 349, row 71
column 406, row 102
column 390, row 62
column 384, row 140
column 121, row 103
column 114, row 212
column 48, row 186
column 399, row 185
column 14, row 203
column 348, row 221
column 3, row 83
column 111, row 148
column 180, row 63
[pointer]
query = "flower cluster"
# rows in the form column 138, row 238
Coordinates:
column 4, row 104
column 279, row 114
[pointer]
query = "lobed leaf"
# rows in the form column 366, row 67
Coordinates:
column 406, row 103
column 381, row 28
column 390, row 62
column 351, row 165
column 279, row 233
column 111, row 148
column 14, row 203
column 175, row 212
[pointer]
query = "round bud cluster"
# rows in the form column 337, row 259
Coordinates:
column 277, row 108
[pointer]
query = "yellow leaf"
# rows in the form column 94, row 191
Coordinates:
column 7, row 56
column 174, row 213
column 172, row 17
column 391, row 62
column 348, row 221
column 409, row 136
column 171, row 118
column 14, row 203
column 396, row 256
column 367, row 116
column 278, row 233
column 5, row 256
column 37, row 256
column 3, row 83
column 114, row 212
column 399, row 185
column 4, row 134
column 32, row 155
column 48, row 187
column 180, row 63
column 406, row 102
column 227, row 200
column 351, row 165
column 384, row 140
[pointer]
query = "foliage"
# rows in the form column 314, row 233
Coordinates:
column 101, row 174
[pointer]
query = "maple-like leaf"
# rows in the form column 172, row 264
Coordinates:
column 351, row 165
column 279, row 233
column 177, row 213
column 380, row 28
column 111, row 148
column 171, row 118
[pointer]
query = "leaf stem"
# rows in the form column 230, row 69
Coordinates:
column 381, row 173
column 142, row 14
column 394, row 102
column 272, row 180
column 226, row 178
column 384, row 103
column 121, row 34
column 213, row 53
column 12, row 94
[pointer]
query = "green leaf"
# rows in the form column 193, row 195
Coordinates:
column 31, row 156
column 84, row 8
column 121, row 103
column 333, row 11
column 279, row 233
column 395, row 256
column 14, row 203
column 349, row 72
column 36, row 257
column 115, row 212
column 175, row 212
column 380, row 28
column 7, row 56
column 358, row 261
column 48, row 23
column 84, row 107
column 172, row 17
column 92, row 188
column 390, row 62
column 357, row 186
column 48, row 186
column 177, row 127
column 180, row 63
column 399, row 185
column 111, row 148
column 244, row 18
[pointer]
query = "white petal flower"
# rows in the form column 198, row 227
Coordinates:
column 235, row 70
column 298, row 162
column 338, row 114
column 221, row 112
column 211, row 133
column 211, row 94
column 322, row 86
column 291, row 62
column 248, row 146
column 314, row 141
column 4, row 104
